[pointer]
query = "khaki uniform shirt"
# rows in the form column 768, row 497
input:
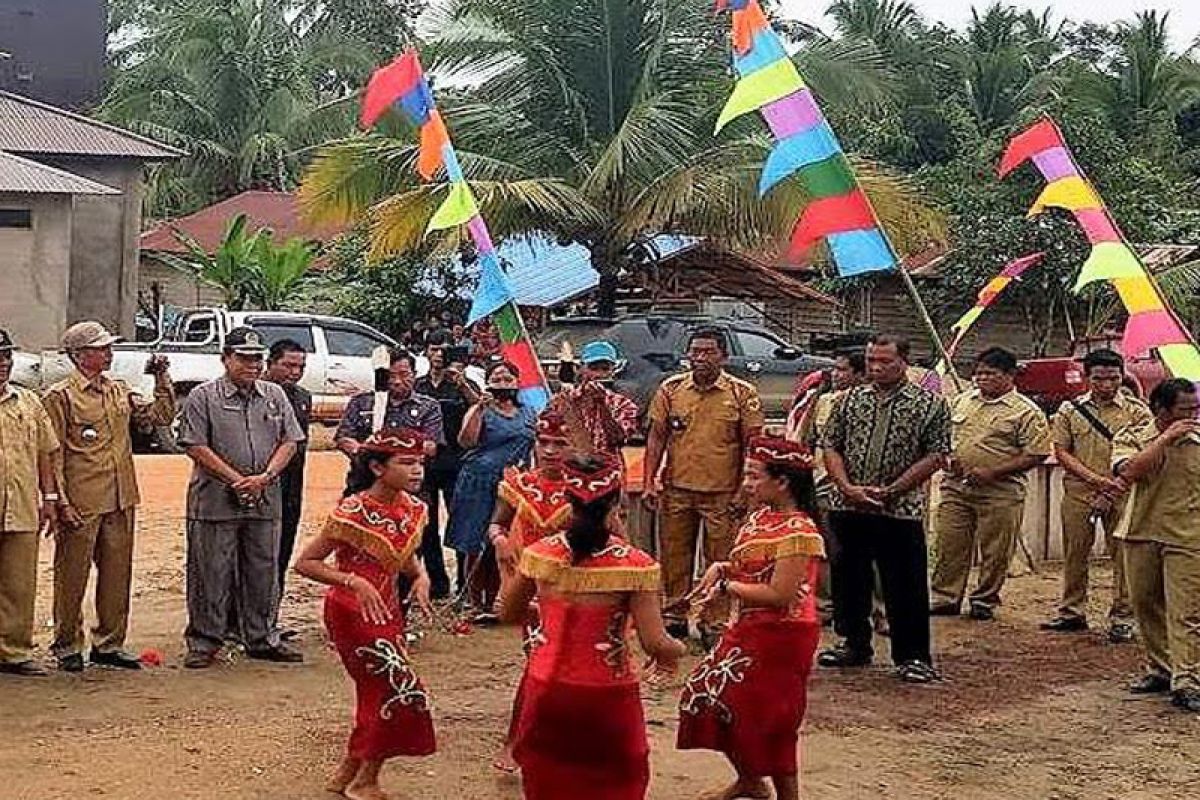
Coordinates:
column 986, row 432
column 1165, row 505
column 245, row 430
column 25, row 434
column 813, row 433
column 706, row 430
column 1073, row 433
column 92, row 419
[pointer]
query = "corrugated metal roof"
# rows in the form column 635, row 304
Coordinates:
column 27, row 126
column 22, row 176
column 544, row 273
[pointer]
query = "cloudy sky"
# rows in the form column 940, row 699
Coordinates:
column 1185, row 14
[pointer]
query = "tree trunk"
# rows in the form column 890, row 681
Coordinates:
column 607, row 296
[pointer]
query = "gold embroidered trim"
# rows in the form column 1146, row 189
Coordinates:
column 374, row 543
column 586, row 580
column 794, row 544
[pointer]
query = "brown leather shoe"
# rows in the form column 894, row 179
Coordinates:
column 279, row 654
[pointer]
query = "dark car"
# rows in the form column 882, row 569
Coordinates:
column 655, row 347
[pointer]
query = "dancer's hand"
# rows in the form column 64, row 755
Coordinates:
column 374, row 609
column 419, row 593
column 714, row 573
column 505, row 552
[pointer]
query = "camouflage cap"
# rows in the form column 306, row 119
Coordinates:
column 83, row 335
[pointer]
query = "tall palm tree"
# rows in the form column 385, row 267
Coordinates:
column 592, row 124
column 237, row 83
column 883, row 22
column 1147, row 76
column 1008, row 63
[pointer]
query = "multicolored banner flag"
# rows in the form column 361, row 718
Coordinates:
column 402, row 85
column 768, row 82
column 1152, row 325
column 988, row 295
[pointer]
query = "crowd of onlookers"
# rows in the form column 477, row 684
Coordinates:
column 880, row 442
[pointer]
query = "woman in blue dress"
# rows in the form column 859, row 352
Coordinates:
column 497, row 432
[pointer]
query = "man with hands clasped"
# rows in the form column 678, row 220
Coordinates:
column 240, row 433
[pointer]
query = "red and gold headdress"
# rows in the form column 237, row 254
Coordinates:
column 780, row 452
column 552, row 425
column 589, row 485
column 396, row 442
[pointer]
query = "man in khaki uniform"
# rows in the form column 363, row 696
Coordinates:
column 1162, row 540
column 701, row 421
column 92, row 413
column 27, row 506
column 998, row 435
column 1083, row 431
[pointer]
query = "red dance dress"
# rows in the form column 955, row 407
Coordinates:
column 747, row 698
column 540, row 505
column 540, row 508
column 374, row 541
column 580, row 732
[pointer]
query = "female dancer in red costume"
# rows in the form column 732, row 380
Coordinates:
column 747, row 698
column 592, row 587
column 531, row 506
column 373, row 535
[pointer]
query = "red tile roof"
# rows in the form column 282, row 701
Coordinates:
column 274, row 210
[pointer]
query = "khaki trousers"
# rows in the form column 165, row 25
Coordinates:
column 1079, row 534
column 682, row 513
column 18, row 587
column 1164, row 587
column 965, row 521
column 106, row 541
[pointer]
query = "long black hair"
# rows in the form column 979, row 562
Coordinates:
column 799, row 484
column 361, row 476
column 588, row 532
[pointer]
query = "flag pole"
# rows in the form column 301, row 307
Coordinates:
column 927, row 322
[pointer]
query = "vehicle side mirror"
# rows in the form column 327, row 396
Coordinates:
column 787, row 353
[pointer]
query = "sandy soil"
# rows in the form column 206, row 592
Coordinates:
column 1021, row 715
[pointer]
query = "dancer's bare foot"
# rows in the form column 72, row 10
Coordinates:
column 505, row 762
column 739, row 790
column 366, row 792
column 343, row 776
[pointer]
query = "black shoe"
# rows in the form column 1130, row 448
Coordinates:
column 199, row 659
column 917, row 672
column 1186, row 699
column 71, row 663
column 22, row 669
column 118, row 659
column 982, row 613
column 945, row 610
column 1121, row 633
column 678, row 630
column 844, row 656
column 1152, row 683
column 1065, row 624
column 279, row 654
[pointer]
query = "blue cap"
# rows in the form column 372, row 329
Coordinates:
column 599, row 351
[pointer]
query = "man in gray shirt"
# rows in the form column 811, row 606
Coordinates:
column 240, row 433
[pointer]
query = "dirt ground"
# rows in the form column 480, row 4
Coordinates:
column 1021, row 715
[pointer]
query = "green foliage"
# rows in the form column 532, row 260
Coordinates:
column 248, row 268
column 385, row 294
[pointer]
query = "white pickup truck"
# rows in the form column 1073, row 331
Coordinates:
column 339, row 355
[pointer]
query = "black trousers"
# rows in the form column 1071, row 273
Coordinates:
column 291, row 484
column 439, row 483
column 897, row 548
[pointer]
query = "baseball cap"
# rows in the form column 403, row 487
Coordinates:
column 245, row 341
column 82, row 335
column 6, row 342
column 599, row 351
